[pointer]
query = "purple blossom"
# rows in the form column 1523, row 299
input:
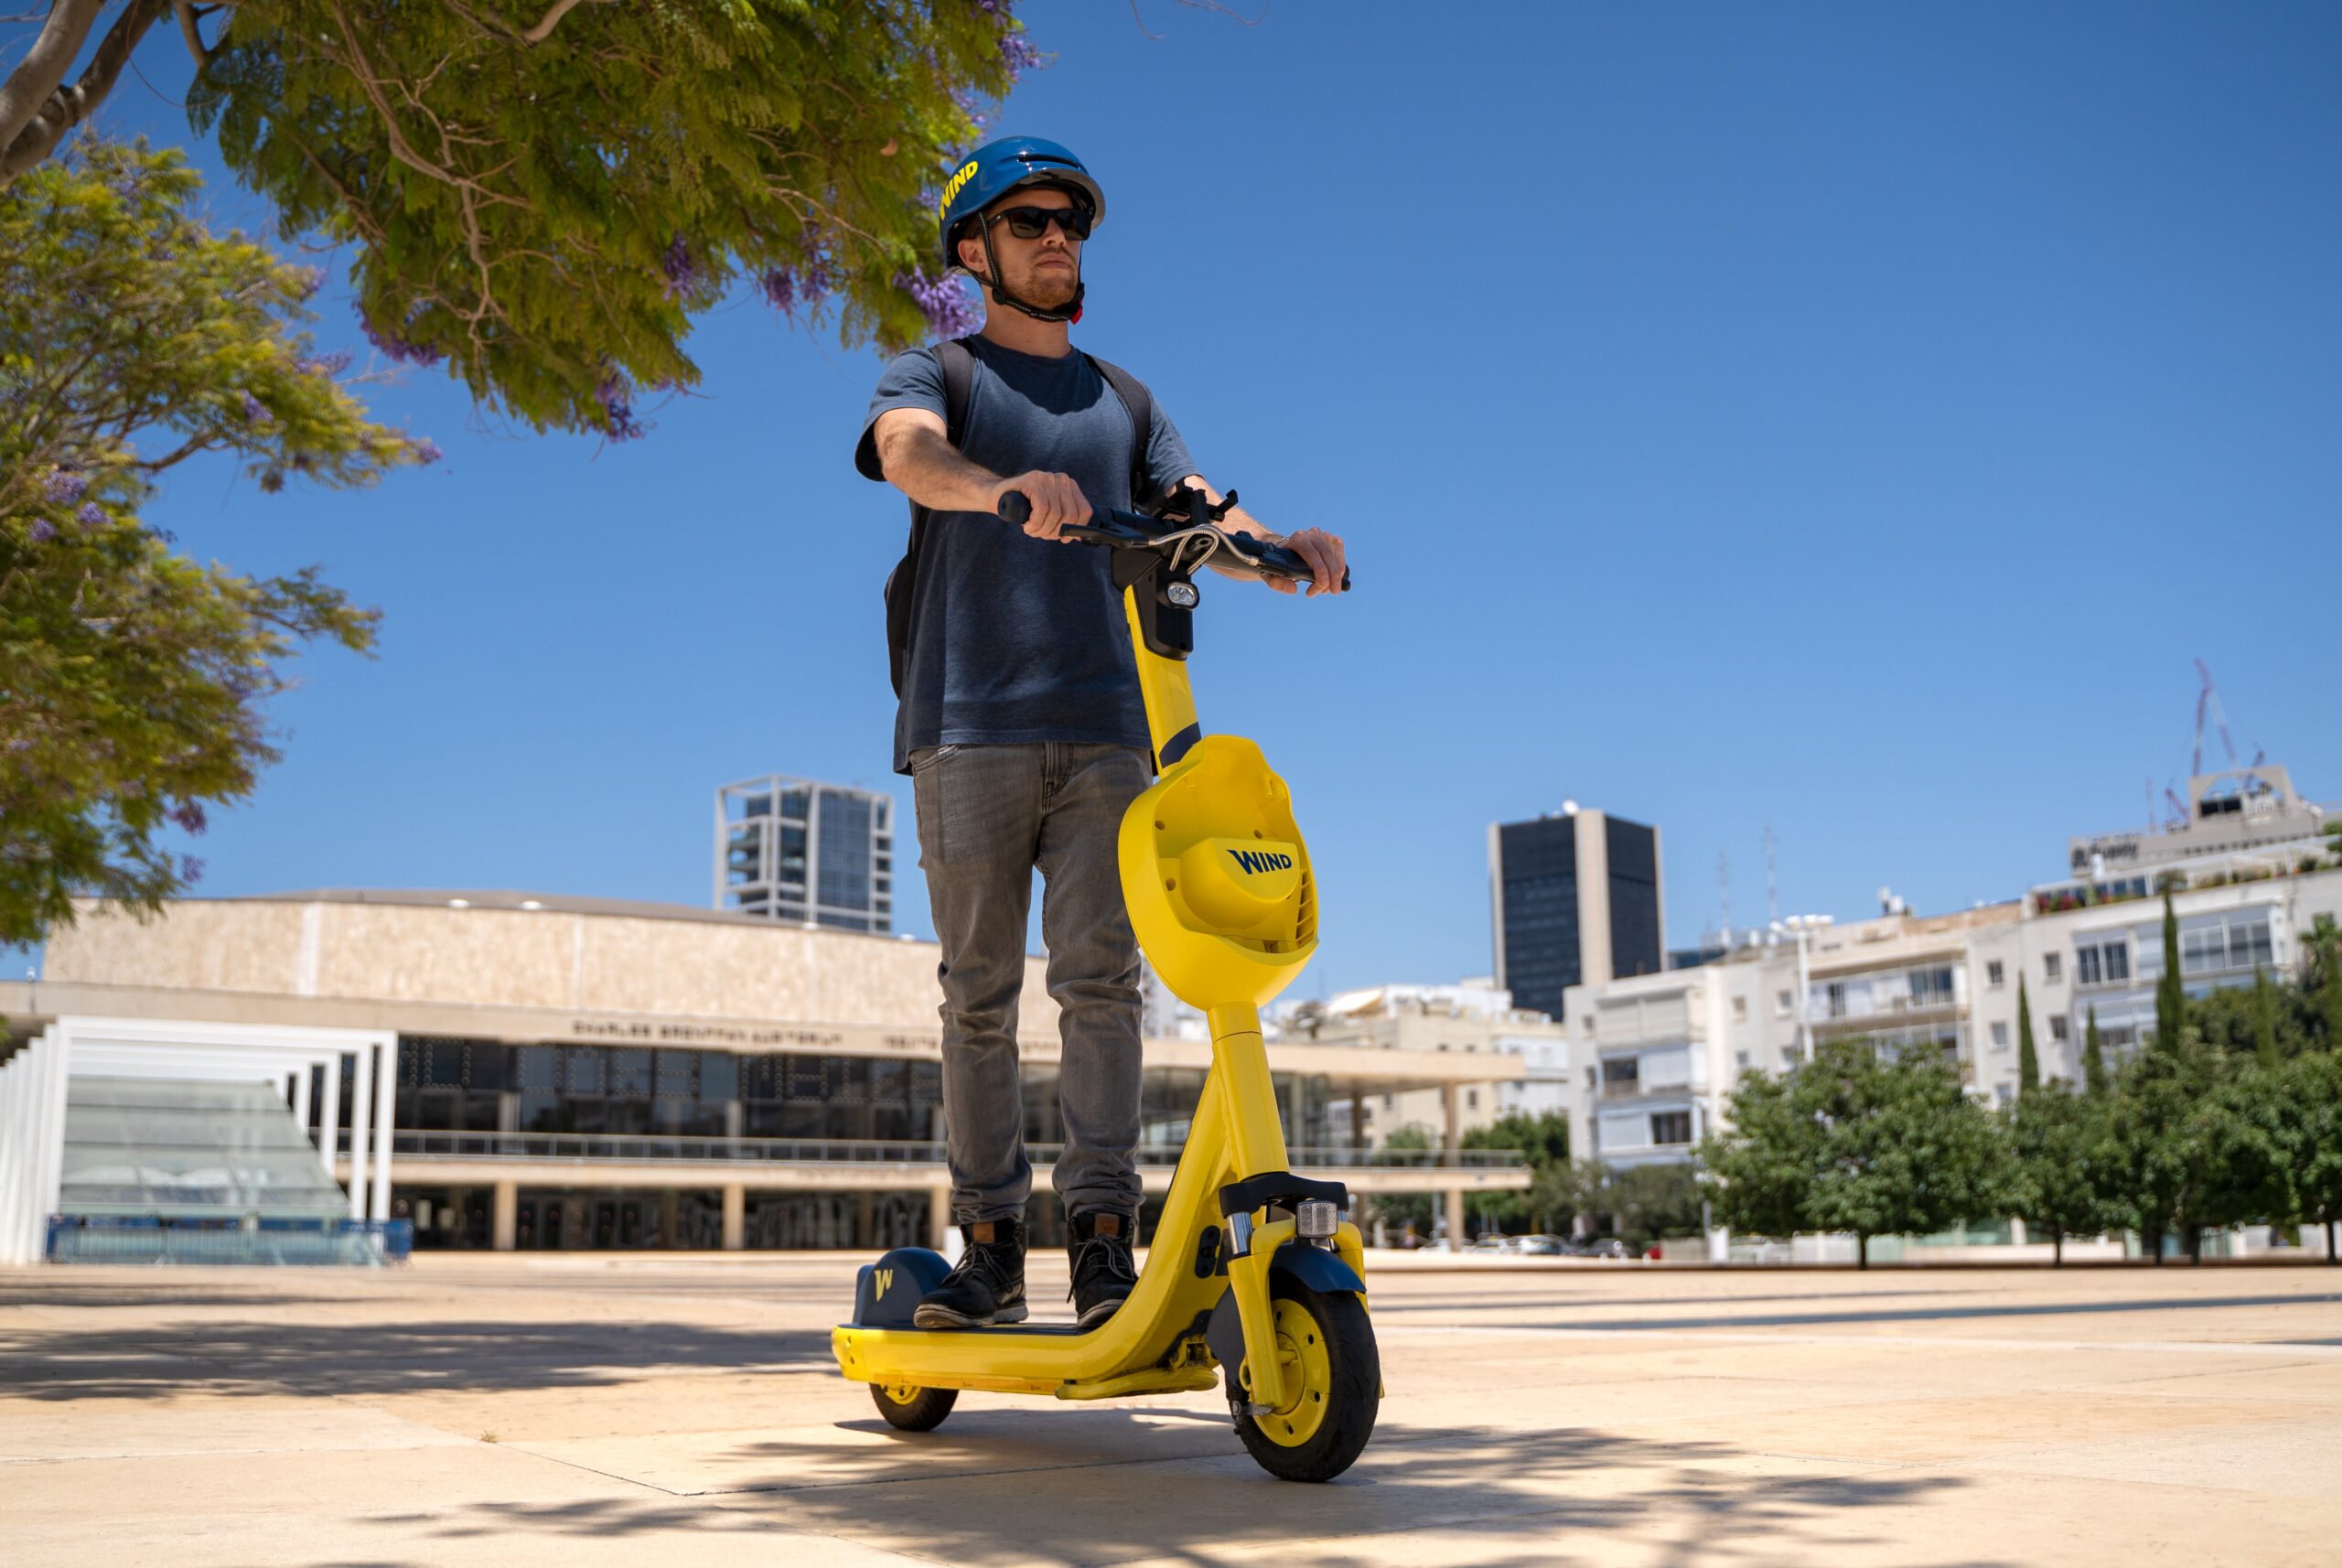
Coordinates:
column 331, row 364
column 1017, row 53
column 398, row 348
column 256, row 412
column 92, row 515
column 808, row 287
column 617, row 408
column 190, row 816
column 951, row 313
column 42, row 530
column 64, row 486
column 427, row 451
column 683, row 272
column 272, row 480
column 307, row 280
column 190, row 869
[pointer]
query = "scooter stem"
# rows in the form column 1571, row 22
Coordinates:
column 1248, row 1093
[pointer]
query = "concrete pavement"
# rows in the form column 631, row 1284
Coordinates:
column 584, row 1410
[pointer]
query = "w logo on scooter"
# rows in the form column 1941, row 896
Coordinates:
column 1260, row 860
column 885, row 1281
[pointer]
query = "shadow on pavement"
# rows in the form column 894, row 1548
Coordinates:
column 279, row 1357
column 1103, row 1486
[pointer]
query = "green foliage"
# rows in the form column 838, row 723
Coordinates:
column 1401, row 1209
column 2028, row 1062
column 2311, row 1083
column 1544, row 1138
column 2094, row 1078
column 2058, row 1170
column 2171, row 996
column 1854, row 1141
column 2164, row 1137
column 133, row 680
column 549, row 217
column 1643, row 1203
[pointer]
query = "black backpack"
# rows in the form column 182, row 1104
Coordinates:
column 959, row 364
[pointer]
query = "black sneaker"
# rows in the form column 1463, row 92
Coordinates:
column 1103, row 1271
column 988, row 1284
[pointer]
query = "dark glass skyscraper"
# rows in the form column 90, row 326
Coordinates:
column 1575, row 898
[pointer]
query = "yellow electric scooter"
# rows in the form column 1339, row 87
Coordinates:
column 1253, row 1268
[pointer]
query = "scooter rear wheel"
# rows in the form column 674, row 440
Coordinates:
column 1333, row 1377
column 907, row 1409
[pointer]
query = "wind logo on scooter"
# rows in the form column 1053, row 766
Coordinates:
column 1260, row 860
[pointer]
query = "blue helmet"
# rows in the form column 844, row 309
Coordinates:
column 991, row 172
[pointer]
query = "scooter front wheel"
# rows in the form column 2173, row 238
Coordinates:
column 907, row 1409
column 1333, row 1382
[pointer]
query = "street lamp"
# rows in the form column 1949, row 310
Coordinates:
column 1802, row 928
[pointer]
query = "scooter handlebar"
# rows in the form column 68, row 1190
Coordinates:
column 1130, row 530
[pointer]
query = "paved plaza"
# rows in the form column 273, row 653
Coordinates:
column 586, row 1411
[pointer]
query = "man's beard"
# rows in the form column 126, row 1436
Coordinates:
column 1051, row 288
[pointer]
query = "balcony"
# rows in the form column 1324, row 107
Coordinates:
column 590, row 1148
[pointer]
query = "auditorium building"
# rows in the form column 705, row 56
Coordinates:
column 509, row 1071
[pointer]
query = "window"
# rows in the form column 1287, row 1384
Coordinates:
column 2058, row 1027
column 1390, row 1102
column 1670, row 1127
column 1586, row 1024
column 1994, row 975
column 2002, row 1095
column 2000, row 1036
column 2117, row 960
column 2053, row 968
column 1780, row 1003
column 1741, row 1056
column 1622, row 1072
column 1471, row 1099
column 1931, row 987
column 2102, row 963
column 1834, row 995
column 1740, row 1009
column 2086, row 966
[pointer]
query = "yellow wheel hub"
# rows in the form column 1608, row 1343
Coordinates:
column 1308, row 1376
column 900, row 1393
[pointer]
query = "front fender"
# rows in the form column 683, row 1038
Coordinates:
column 1321, row 1271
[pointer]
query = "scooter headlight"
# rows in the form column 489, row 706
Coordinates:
column 1315, row 1219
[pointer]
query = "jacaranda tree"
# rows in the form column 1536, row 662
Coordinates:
column 134, row 680
column 541, row 194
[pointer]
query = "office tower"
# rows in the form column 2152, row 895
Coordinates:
column 1576, row 899
column 790, row 849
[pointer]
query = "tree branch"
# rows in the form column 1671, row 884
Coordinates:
column 193, row 36
column 45, row 64
column 66, row 107
column 552, row 19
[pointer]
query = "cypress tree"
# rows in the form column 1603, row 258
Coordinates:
column 2264, row 1019
column 2332, row 994
column 2093, row 1058
column 2171, row 996
column 2028, row 1064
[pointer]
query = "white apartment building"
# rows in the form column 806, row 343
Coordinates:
column 1655, row 1057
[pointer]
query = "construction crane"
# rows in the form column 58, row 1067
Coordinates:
column 2207, row 703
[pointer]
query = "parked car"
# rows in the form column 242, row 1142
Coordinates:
column 1543, row 1246
column 1608, row 1247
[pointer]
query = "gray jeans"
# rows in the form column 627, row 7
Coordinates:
column 988, row 816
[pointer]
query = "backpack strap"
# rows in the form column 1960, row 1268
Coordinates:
column 1139, row 403
column 959, row 377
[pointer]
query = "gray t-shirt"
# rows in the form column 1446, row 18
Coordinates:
column 1015, row 640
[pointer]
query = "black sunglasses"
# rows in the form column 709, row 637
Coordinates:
column 1032, row 223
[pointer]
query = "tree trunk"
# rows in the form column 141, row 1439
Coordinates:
column 2154, row 1244
column 1862, row 1250
column 2057, row 1249
column 2329, row 1243
column 2195, row 1246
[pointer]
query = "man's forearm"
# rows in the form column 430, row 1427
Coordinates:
column 930, row 469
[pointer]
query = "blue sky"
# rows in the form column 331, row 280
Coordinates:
column 1845, row 418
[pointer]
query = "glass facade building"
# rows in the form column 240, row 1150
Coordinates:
column 565, row 1102
column 790, row 849
column 1560, row 883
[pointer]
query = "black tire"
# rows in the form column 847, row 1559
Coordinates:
column 1354, row 1391
column 923, row 1412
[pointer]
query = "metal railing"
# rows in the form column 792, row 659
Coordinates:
column 654, row 1149
column 111, row 1238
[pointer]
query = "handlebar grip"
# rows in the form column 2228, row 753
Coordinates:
column 1016, row 507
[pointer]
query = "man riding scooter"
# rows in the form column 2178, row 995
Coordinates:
column 1021, row 721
